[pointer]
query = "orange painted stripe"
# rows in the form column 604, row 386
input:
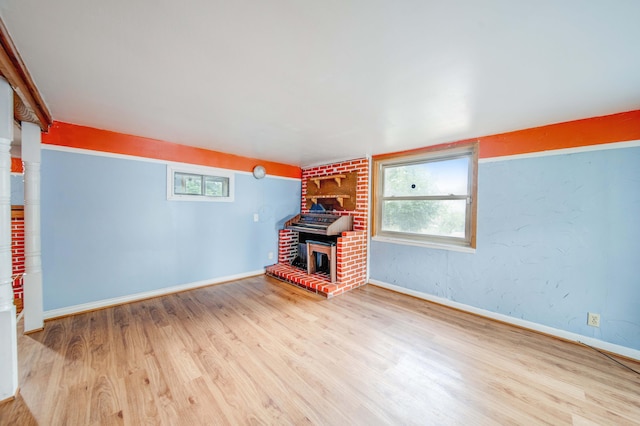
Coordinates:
column 75, row 136
column 16, row 165
column 620, row 127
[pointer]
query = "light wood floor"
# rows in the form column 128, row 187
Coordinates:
column 258, row 351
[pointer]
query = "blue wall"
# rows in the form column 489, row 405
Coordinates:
column 558, row 237
column 108, row 229
column 17, row 190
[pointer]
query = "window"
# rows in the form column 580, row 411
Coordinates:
column 199, row 184
column 427, row 198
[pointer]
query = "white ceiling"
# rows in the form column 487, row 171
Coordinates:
column 306, row 82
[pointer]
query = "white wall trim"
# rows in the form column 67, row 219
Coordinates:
column 567, row 335
column 425, row 244
column 147, row 159
column 564, row 151
column 105, row 303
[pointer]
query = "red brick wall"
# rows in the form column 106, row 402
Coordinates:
column 352, row 260
column 352, row 246
column 18, row 259
column 361, row 166
column 287, row 246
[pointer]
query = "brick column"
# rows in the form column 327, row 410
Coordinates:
column 17, row 254
column 287, row 246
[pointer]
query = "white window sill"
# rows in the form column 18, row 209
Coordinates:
column 174, row 197
column 426, row 244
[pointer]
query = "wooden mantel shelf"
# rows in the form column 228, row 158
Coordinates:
column 339, row 197
column 337, row 178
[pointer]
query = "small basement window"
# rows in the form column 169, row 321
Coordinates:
column 199, row 184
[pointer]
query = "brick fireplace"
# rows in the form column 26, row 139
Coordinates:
column 351, row 246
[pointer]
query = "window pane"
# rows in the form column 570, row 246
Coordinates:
column 444, row 177
column 187, row 184
column 193, row 183
column 216, row 186
column 445, row 218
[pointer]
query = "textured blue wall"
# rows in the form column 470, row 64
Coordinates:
column 558, row 237
column 17, row 190
column 108, row 229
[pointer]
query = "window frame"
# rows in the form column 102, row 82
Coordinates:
column 425, row 155
column 204, row 172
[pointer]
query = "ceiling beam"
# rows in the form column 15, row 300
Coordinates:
column 29, row 105
column 21, row 112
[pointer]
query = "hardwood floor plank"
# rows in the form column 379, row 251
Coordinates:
column 102, row 400
column 203, row 405
column 302, row 347
column 277, row 373
column 258, row 351
column 142, row 408
column 163, row 396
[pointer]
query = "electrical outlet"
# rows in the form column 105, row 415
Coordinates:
column 256, row 217
column 270, row 255
column 593, row 319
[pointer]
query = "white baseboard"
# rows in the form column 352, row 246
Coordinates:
column 99, row 304
column 567, row 335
